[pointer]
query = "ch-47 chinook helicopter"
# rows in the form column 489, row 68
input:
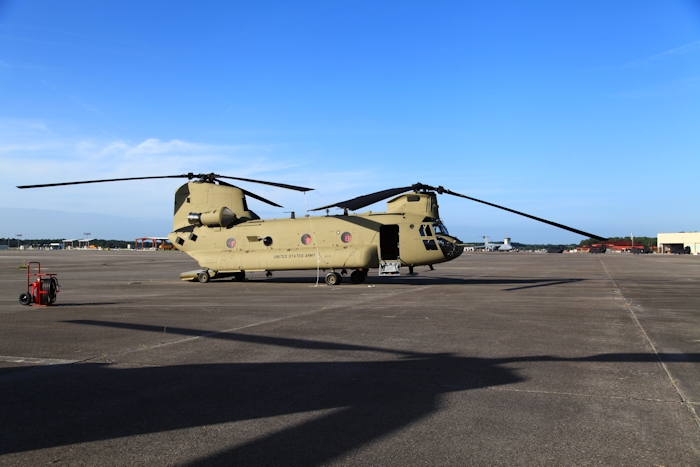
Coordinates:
column 213, row 224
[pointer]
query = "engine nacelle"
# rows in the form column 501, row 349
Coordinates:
column 222, row 217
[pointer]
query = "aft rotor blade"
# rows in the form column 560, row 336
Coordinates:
column 555, row 224
column 210, row 177
column 365, row 200
column 259, row 198
column 248, row 193
column 103, row 180
column 280, row 185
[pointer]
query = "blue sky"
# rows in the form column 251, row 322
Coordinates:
column 585, row 113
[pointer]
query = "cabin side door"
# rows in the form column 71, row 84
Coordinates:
column 389, row 250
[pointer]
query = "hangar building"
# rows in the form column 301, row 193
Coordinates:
column 678, row 242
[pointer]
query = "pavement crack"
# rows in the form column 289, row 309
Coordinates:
column 628, row 304
column 577, row 394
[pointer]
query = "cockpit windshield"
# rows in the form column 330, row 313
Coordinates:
column 440, row 228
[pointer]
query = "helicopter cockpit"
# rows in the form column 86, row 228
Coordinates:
column 449, row 245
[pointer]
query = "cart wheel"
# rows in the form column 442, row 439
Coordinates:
column 25, row 299
column 203, row 277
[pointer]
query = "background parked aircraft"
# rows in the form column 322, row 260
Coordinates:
column 488, row 246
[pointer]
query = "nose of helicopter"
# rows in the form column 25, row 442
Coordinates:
column 450, row 246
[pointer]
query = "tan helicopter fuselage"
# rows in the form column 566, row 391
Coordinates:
column 213, row 224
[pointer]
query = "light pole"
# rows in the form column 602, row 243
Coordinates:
column 87, row 243
column 632, row 235
column 19, row 240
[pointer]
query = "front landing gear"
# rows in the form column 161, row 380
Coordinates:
column 333, row 278
column 203, row 277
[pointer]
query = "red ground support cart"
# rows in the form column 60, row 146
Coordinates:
column 41, row 291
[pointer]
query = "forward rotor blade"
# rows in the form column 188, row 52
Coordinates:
column 555, row 224
column 280, row 185
column 103, row 180
column 365, row 200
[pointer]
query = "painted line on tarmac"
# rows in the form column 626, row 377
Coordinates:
column 44, row 363
column 322, row 309
column 36, row 361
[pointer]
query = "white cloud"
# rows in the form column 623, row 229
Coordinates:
column 18, row 127
column 47, row 160
column 684, row 49
column 115, row 158
column 682, row 87
column 674, row 52
column 86, row 106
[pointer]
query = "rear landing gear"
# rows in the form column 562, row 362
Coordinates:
column 239, row 276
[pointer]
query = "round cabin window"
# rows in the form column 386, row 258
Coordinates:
column 306, row 239
column 231, row 242
column 346, row 237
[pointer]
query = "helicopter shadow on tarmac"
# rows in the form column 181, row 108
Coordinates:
column 364, row 399
column 419, row 280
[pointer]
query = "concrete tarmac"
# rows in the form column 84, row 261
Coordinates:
column 492, row 359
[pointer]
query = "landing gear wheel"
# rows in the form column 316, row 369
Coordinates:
column 203, row 277
column 358, row 277
column 25, row 299
column 239, row 276
column 333, row 278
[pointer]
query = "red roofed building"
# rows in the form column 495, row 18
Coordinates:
column 613, row 245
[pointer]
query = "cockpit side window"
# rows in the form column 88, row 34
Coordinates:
column 430, row 244
column 440, row 228
column 425, row 231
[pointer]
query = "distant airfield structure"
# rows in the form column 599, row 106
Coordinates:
column 156, row 243
column 82, row 243
column 685, row 242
